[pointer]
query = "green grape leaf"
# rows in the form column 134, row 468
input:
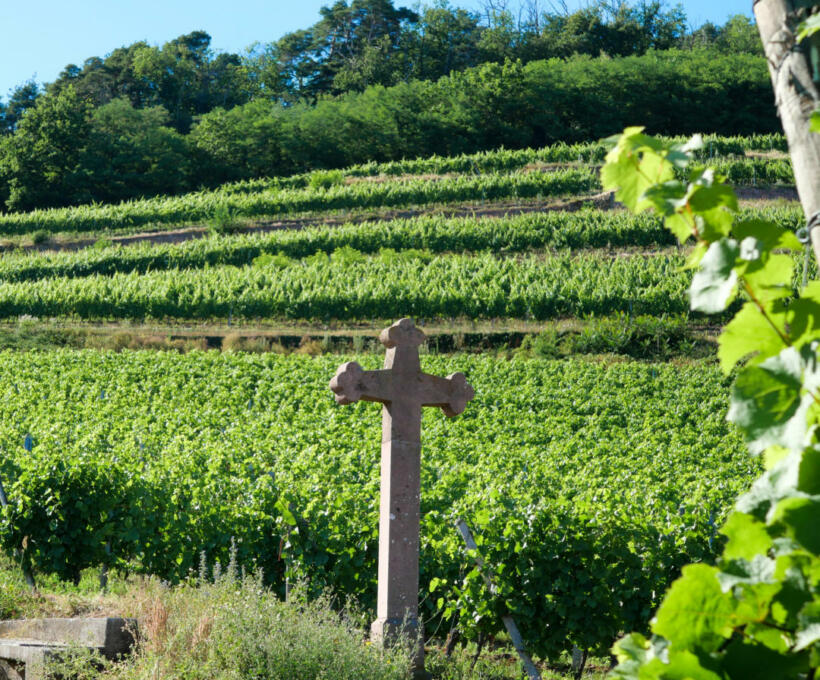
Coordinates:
column 632, row 647
column 795, row 592
column 769, row 277
column 758, row 570
column 708, row 196
column 809, row 621
column 750, row 661
column 715, row 283
column 714, row 224
column 804, row 316
column 768, row 405
column 695, row 257
column 773, row 455
column 769, row 637
column 814, row 124
column 771, row 487
column 808, row 475
column 800, row 520
column 747, row 537
column 667, row 198
column 680, row 227
column 768, row 233
column 683, row 665
column 287, row 515
column 638, row 659
column 635, row 164
column 752, row 603
column 695, row 613
column 750, row 332
column 622, row 177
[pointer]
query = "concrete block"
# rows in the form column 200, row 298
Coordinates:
column 26, row 644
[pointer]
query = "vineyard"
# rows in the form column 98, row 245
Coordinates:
column 590, row 481
column 607, row 479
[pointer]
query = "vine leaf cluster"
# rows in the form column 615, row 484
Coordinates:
column 756, row 613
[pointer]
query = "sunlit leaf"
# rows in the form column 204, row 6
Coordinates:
column 695, row 613
column 715, row 283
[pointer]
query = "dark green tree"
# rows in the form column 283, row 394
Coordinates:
column 240, row 143
column 102, row 79
column 362, row 41
column 42, row 160
column 739, row 34
column 184, row 76
column 21, row 99
column 446, row 39
column 133, row 153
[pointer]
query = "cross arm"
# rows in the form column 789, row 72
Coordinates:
column 352, row 383
column 451, row 393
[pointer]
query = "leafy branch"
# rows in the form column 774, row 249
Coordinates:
column 757, row 613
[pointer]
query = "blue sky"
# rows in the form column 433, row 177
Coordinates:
column 39, row 37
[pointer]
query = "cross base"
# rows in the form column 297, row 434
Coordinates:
column 390, row 631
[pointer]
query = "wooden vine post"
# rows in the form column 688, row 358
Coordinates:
column 796, row 81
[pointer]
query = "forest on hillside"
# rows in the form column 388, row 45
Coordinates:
column 373, row 81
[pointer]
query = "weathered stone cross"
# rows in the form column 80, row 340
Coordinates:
column 403, row 389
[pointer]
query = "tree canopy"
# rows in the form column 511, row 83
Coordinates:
column 371, row 80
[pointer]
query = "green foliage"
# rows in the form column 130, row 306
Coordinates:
column 20, row 99
column 754, row 614
column 325, row 179
column 484, row 176
column 116, row 125
column 72, row 515
column 430, row 234
column 347, row 256
column 133, row 152
column 641, row 337
column 195, row 449
column 40, row 237
column 273, row 200
column 350, row 286
column 102, row 244
column 43, row 160
column 239, row 143
column 222, row 220
column 277, row 261
column 808, row 28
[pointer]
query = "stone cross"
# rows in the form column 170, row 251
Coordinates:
column 403, row 389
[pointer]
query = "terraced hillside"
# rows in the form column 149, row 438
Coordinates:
column 590, row 479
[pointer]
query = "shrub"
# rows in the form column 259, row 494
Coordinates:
column 278, row 261
column 325, row 179
column 40, row 236
column 102, row 244
column 223, row 220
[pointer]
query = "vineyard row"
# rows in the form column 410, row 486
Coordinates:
column 350, row 286
column 200, row 207
column 504, row 160
column 574, row 230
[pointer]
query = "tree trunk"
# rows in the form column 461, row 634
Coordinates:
column 796, row 96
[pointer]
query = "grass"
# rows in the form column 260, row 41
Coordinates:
column 223, row 624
